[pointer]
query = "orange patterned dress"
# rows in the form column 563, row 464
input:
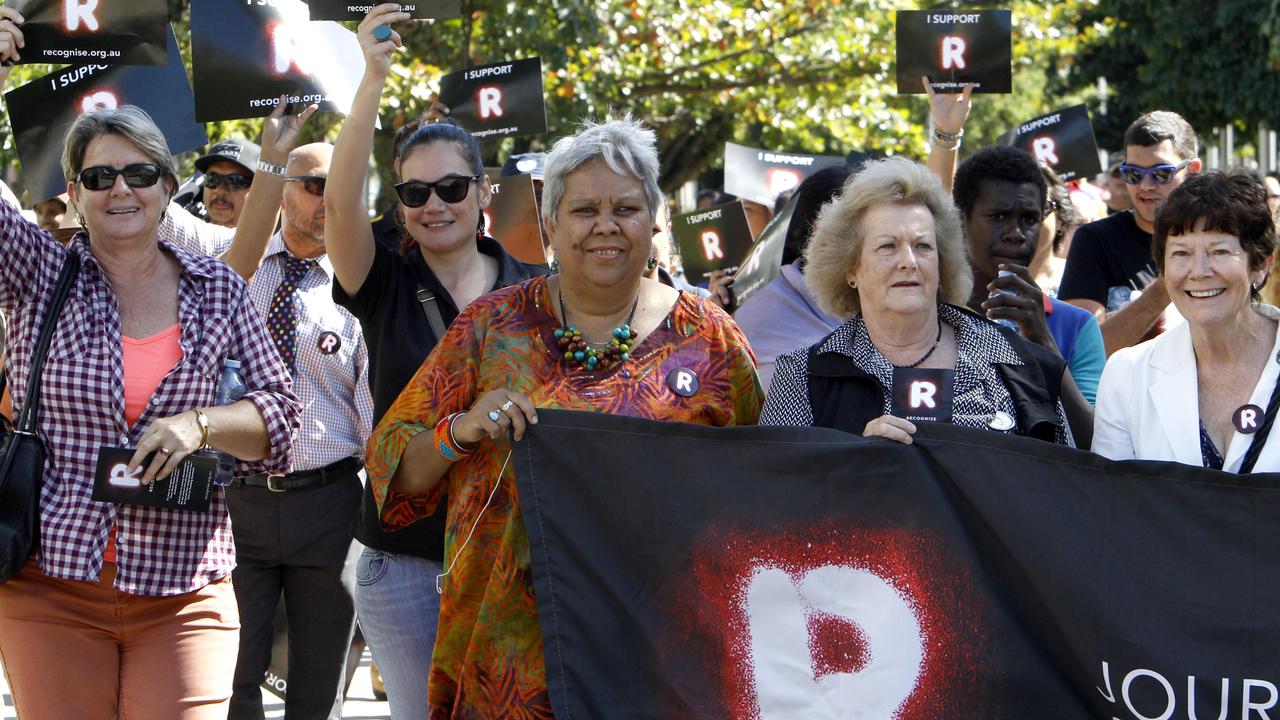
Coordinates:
column 488, row 660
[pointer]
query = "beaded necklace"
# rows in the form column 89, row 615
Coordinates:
column 596, row 356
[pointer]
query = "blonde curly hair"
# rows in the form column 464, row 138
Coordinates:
column 836, row 246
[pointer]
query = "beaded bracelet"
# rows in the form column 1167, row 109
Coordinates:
column 448, row 446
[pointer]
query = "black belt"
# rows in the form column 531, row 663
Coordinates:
column 300, row 480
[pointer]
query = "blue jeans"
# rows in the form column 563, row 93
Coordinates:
column 398, row 609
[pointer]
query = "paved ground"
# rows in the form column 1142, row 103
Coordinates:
column 360, row 703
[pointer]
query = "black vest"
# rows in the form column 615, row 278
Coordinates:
column 846, row 397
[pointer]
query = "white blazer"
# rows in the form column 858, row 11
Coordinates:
column 1148, row 404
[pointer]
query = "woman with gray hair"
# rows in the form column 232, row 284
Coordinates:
column 889, row 255
column 121, row 594
column 596, row 336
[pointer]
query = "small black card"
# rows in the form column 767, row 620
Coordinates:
column 716, row 238
column 349, row 10
column 1063, row 140
column 922, row 395
column 953, row 48
column 498, row 100
column 188, row 487
column 105, row 32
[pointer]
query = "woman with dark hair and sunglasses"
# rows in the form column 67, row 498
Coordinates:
column 404, row 300
column 132, row 601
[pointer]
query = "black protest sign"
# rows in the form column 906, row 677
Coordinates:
column 1063, row 140
column 42, row 111
column 244, row 56
column 188, row 487
column 764, row 261
column 498, row 100
column 348, row 10
column 717, row 238
column 922, row 394
column 105, row 32
column 774, row 572
column 762, row 175
column 512, row 217
column 953, row 48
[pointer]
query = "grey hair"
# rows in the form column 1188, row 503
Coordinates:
column 129, row 122
column 627, row 147
column 836, row 247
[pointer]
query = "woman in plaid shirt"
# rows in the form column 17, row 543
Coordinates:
column 128, row 609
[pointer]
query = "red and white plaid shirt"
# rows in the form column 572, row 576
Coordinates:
column 159, row 551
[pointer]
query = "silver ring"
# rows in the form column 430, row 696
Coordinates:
column 493, row 415
column 507, row 405
column 163, row 451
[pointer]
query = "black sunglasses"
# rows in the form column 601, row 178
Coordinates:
column 103, row 177
column 313, row 184
column 416, row 193
column 231, row 181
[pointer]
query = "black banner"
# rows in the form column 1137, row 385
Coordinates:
column 42, row 111
column 1063, row 140
column 349, row 10
column 807, row 573
column 512, row 217
column 105, row 32
column 498, row 100
column 955, row 47
column 717, row 238
column 762, row 175
column 764, row 260
column 245, row 55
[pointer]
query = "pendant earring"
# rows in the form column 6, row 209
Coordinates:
column 555, row 266
column 651, row 263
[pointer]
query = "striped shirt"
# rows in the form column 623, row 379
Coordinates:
column 332, row 377
column 160, row 551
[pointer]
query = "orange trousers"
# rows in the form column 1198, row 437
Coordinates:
column 85, row 650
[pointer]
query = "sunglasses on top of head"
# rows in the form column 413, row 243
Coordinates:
column 313, row 184
column 103, row 177
column 231, row 181
column 452, row 189
column 1160, row 174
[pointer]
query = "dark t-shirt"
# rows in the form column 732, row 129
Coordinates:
column 1106, row 253
column 399, row 338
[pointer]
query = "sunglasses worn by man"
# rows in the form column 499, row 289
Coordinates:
column 231, row 181
column 313, row 184
column 1160, row 174
column 103, row 177
column 452, row 189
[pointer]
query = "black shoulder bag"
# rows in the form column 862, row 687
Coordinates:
column 22, row 453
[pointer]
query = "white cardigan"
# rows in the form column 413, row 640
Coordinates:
column 1148, row 404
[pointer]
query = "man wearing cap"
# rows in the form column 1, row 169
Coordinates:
column 1110, row 271
column 228, row 171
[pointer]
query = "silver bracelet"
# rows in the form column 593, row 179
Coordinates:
column 948, row 137
column 271, row 168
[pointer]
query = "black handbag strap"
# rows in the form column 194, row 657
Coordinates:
column 1260, row 437
column 431, row 307
column 26, row 420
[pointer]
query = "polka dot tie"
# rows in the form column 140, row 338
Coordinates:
column 282, row 316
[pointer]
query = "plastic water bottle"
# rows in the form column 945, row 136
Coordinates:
column 231, row 388
column 1011, row 324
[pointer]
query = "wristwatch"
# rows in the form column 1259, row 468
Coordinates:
column 270, row 168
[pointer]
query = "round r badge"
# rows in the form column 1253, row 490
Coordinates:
column 329, row 342
column 1001, row 422
column 1247, row 419
column 683, row 382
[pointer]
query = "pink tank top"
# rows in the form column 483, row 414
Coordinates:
column 146, row 362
